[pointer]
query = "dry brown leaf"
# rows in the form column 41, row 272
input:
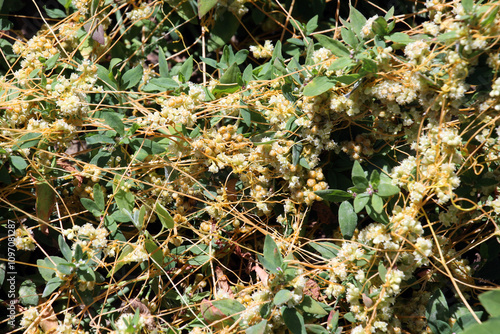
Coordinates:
column 49, row 320
column 312, row 289
column 223, row 282
column 70, row 168
column 261, row 273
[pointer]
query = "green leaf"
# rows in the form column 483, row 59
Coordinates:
column 272, row 252
column 52, row 61
column 98, row 197
column 369, row 66
column 259, row 328
column 162, row 63
column 348, row 78
column 85, row 273
column 45, row 200
column 114, row 121
column 348, row 219
column 296, row 151
column 272, row 258
column 230, row 81
column 389, row 14
column 375, row 179
column 400, row 38
column 186, row 70
column 491, row 302
column 309, row 305
column 51, row 286
column 282, row 297
column 155, row 252
column 204, row 7
column 66, row 268
column 3, row 269
column 91, row 206
column 241, row 56
column 28, row 140
column 47, row 268
column 318, row 86
column 377, row 203
column 232, row 75
column 356, row 19
column 132, row 77
column 18, row 165
column 160, row 85
column 265, row 310
column 387, row 190
column 316, row 329
column 341, row 63
column 78, row 252
column 334, row 195
column 448, row 36
column 382, row 271
column 65, row 249
column 327, row 249
column 224, row 28
column 468, row 5
column 219, row 309
column 144, row 147
column 166, row 219
column 99, row 139
column 492, row 15
column 294, row 320
column 358, row 176
column 349, row 316
column 349, row 37
column 27, row 293
column 55, row 13
column 247, row 116
column 333, row 45
column 333, row 320
column 464, row 319
column 124, row 200
column 311, row 25
column 360, row 201
column 437, row 313
column 106, row 76
column 380, row 27
column 5, row 24
column 487, row 327
column 378, row 217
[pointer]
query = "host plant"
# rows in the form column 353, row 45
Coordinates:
column 255, row 166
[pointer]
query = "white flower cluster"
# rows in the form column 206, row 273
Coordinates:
column 66, row 327
column 431, row 28
column 401, row 92
column 237, row 7
column 139, row 255
column 415, row 51
column 279, row 110
column 321, row 56
column 70, row 94
column 495, row 204
column 81, row 5
column 125, row 324
column 87, row 236
column 179, row 110
column 265, row 51
column 140, row 13
column 366, row 30
column 24, row 240
column 29, row 316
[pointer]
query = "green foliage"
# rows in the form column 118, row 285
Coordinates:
column 250, row 166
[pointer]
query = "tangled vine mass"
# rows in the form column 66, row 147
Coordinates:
column 250, row 166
